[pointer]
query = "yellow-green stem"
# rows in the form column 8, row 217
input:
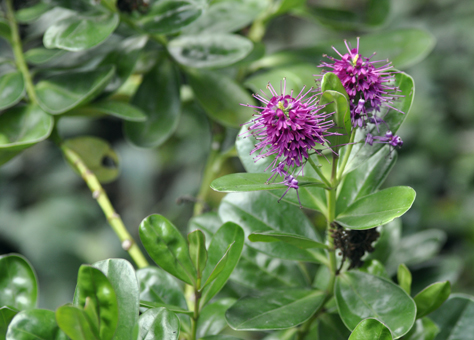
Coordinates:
column 18, row 52
column 347, row 154
column 194, row 320
column 128, row 243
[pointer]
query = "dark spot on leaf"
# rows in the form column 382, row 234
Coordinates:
column 108, row 162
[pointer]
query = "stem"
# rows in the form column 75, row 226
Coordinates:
column 194, row 320
column 346, row 156
column 18, row 52
column 128, row 243
column 319, row 172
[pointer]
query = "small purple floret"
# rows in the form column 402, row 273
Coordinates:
column 389, row 138
column 292, row 183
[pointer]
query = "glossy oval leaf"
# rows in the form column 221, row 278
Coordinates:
column 371, row 329
column 74, row 322
column 255, row 212
column 63, row 92
column 117, row 109
column 167, row 247
column 12, row 89
column 6, row 316
column 36, row 125
column 377, row 209
column 121, row 275
column 93, row 284
column 212, row 317
column 356, row 301
column 34, row 324
column 170, row 16
column 158, row 286
column 18, row 284
column 197, row 250
column 366, row 179
column 242, row 182
column 221, row 96
column 227, row 241
column 158, row 323
column 209, row 50
column 158, row 97
column 274, row 309
column 454, row 318
column 41, row 55
column 208, row 223
column 97, row 155
column 276, row 236
column 375, row 267
column 431, row 298
column 80, row 32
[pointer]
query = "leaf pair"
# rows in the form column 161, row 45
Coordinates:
column 193, row 264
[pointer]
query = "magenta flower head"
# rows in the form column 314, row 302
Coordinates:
column 368, row 85
column 289, row 127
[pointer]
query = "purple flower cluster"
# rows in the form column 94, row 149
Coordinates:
column 288, row 127
column 369, row 88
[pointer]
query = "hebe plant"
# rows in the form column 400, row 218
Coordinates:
column 256, row 264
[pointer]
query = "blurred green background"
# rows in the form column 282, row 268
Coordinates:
column 47, row 213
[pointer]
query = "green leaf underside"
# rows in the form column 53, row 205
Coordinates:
column 214, row 50
column 274, row 309
column 455, row 317
column 174, row 309
column 34, row 324
column 18, row 284
column 121, row 275
column 431, row 298
column 158, row 323
column 296, row 240
column 167, row 247
column 255, row 212
column 371, row 329
column 356, row 301
column 377, row 209
column 242, row 182
column 63, row 92
column 77, row 32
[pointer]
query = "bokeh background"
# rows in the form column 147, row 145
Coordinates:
column 47, row 212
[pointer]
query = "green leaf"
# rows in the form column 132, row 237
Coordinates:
column 122, row 277
column 170, row 16
column 174, row 309
column 366, row 179
column 18, row 287
column 226, row 16
column 371, row 329
column 23, row 126
column 80, row 32
column 63, row 92
column 29, row 14
column 6, row 316
column 227, row 241
column 34, row 324
column 392, row 306
column 209, row 50
column 404, row 279
column 12, row 89
column 376, row 268
column 73, row 321
column 274, row 309
column 167, row 247
column 5, row 31
column 98, row 156
column 93, row 284
column 332, row 327
column 220, row 96
column 255, row 212
column 158, row 286
column 337, row 102
column 276, row 236
column 208, row 223
column 158, row 323
column 41, row 55
column 424, row 329
column 242, row 182
column 197, row 250
column 431, row 298
column 377, row 12
column 158, row 98
column 212, row 317
column 219, row 266
column 455, row 317
column 117, row 109
column 220, row 337
column 377, row 209
column 296, row 77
